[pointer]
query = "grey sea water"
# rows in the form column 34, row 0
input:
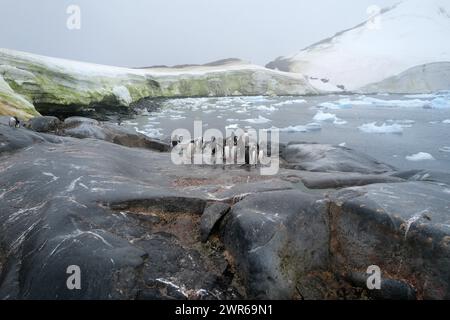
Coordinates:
column 395, row 129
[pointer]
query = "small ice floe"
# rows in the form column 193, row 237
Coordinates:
column 440, row 103
column 420, row 157
column 328, row 117
column 335, row 105
column 259, row 120
column 403, row 123
column 177, row 117
column 343, row 144
column 232, row 126
column 232, row 120
column 313, row 126
column 446, row 121
column 289, row 102
column 383, row 128
column 444, row 149
column 268, row 109
column 420, row 96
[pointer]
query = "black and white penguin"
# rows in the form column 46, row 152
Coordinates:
column 14, row 122
column 174, row 140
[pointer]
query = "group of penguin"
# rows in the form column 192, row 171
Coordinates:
column 234, row 149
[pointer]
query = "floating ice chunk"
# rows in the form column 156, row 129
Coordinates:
column 288, row 102
column 265, row 108
column 419, row 157
column 420, row 96
column 446, row 121
column 383, row 128
column 403, row 123
column 323, row 116
column 444, row 149
column 232, row 126
column 343, row 144
column 123, row 95
column 259, row 120
column 313, row 126
column 177, row 117
column 232, row 120
column 440, row 103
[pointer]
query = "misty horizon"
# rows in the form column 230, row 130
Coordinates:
column 142, row 33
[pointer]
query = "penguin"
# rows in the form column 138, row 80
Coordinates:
column 253, row 152
column 14, row 122
column 190, row 149
column 240, row 150
column 174, row 140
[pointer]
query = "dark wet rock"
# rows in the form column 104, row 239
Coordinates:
column 74, row 121
column 80, row 127
column 212, row 214
column 134, row 223
column 44, row 124
column 277, row 238
column 12, row 139
column 390, row 289
column 403, row 228
column 126, row 226
column 328, row 158
column 425, row 175
column 341, row 180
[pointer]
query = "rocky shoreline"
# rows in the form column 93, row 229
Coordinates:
column 94, row 194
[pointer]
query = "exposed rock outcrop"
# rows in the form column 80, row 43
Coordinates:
column 141, row 227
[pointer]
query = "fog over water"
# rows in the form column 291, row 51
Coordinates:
column 168, row 32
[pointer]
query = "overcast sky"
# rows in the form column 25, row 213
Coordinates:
column 155, row 32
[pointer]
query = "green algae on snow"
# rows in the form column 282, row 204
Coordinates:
column 38, row 80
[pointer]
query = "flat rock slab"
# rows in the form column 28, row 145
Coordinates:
column 328, row 158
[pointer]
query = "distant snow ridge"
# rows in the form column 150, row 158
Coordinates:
column 412, row 33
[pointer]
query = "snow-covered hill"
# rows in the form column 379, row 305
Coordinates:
column 28, row 81
column 407, row 35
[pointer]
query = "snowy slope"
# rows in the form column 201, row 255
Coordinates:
column 411, row 33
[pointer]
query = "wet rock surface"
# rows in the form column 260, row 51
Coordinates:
column 140, row 227
column 328, row 158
